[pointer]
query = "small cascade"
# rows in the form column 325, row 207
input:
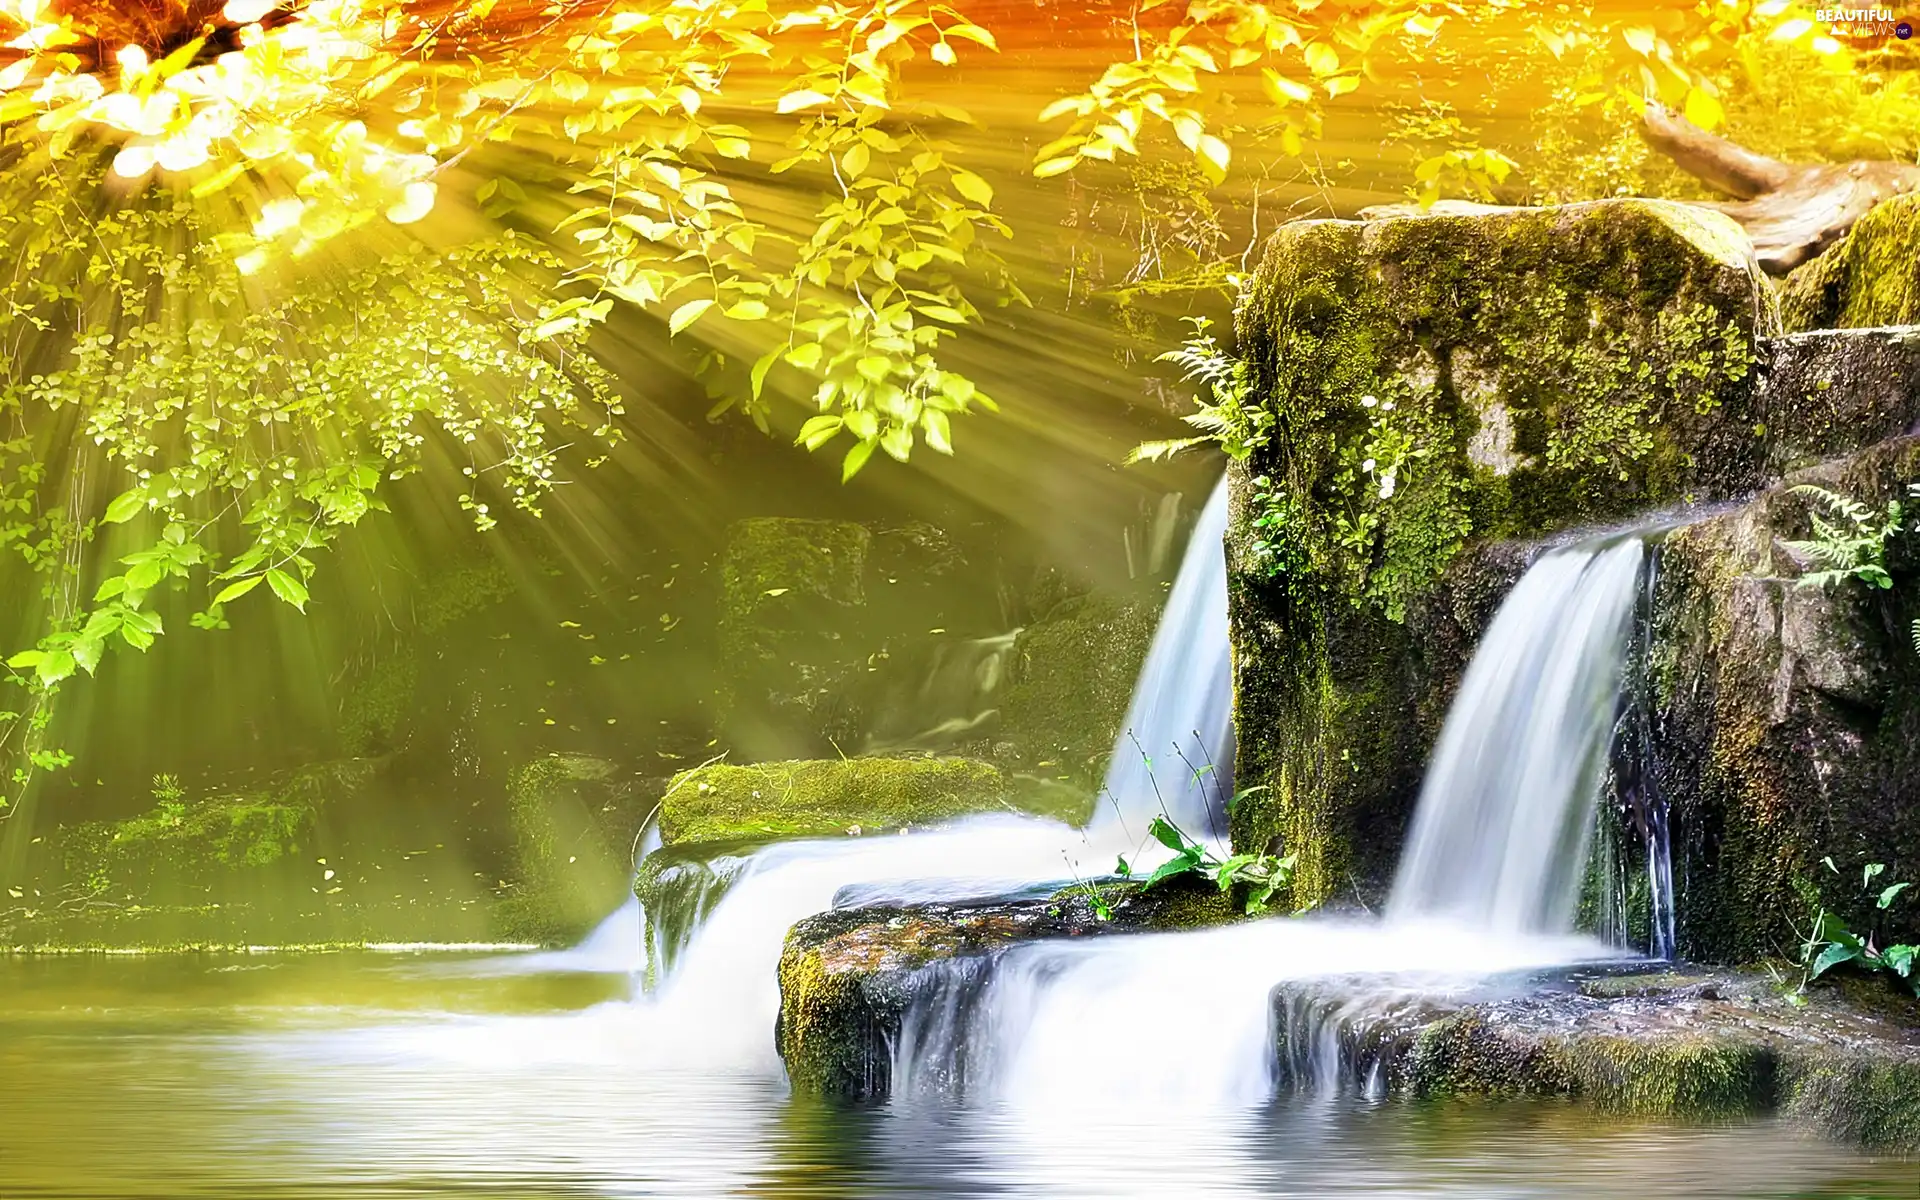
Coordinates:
column 1175, row 751
column 1501, row 831
column 1224, row 1017
column 716, row 941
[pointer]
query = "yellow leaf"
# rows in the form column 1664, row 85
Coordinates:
column 747, row 310
column 687, row 314
column 942, row 54
column 1640, row 38
column 973, row 187
column 1054, row 166
column 568, row 86
column 1322, row 59
column 1062, row 107
column 1703, row 109
column 1790, row 30
column 1214, row 155
column 973, row 33
column 1284, row 89
column 804, row 98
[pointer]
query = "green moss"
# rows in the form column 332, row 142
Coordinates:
column 178, row 843
column 1869, row 278
column 1435, row 382
column 778, row 569
column 1070, row 681
column 828, row 797
column 573, row 824
column 1685, row 1076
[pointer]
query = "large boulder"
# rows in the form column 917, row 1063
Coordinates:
column 1070, row 681
column 575, row 822
column 1786, row 718
column 764, row 802
column 847, row 977
column 1421, row 385
column 1690, row 1047
column 1870, row 277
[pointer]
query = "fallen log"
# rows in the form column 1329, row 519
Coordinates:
column 1790, row 211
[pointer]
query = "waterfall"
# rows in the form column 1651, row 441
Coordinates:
column 1485, row 892
column 716, row 992
column 1500, row 834
column 1176, row 747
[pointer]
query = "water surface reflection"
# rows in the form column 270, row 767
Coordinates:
column 372, row 1076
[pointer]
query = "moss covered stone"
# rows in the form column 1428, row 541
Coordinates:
column 1870, row 277
column 1432, row 384
column 574, row 821
column 793, row 595
column 1787, row 719
column 847, row 977
column 829, row 797
column 185, row 848
column 1700, row 1047
column 1070, row 682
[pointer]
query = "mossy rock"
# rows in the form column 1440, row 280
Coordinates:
column 575, row 821
column 1870, row 277
column 185, row 846
column 831, row 797
column 1684, row 1047
column 1786, row 719
column 791, row 630
column 847, row 977
column 1070, row 681
column 1430, row 386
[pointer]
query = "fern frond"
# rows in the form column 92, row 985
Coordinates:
column 1841, row 506
column 1155, row 451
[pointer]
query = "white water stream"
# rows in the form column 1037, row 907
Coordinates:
column 1187, row 1019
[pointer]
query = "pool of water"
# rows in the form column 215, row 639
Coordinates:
column 423, row 1075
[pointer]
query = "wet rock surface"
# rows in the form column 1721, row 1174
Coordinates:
column 1786, row 718
column 1684, row 1045
column 848, row 976
column 1781, row 719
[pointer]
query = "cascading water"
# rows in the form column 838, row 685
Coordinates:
column 1500, row 835
column 1176, row 748
column 1486, row 890
column 717, row 987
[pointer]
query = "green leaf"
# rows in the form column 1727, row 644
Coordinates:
column 55, row 665
column 126, row 506
column 687, row 314
column 1893, row 893
column 234, row 591
column 1179, row 864
column 818, row 431
column 855, row 459
column 1899, row 959
column 758, row 377
column 26, row 658
column 973, row 187
column 1830, row 958
column 288, row 588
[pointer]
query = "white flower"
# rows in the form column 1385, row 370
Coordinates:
column 1367, row 466
column 1369, row 401
column 1386, row 486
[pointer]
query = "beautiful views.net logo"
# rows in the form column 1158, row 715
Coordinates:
column 1864, row 23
